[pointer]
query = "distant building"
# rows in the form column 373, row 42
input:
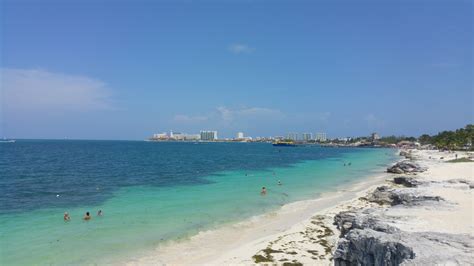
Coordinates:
column 160, row 136
column 208, row 135
column 240, row 135
column 192, row 137
column 292, row 136
column 176, row 135
column 321, row 137
column 374, row 136
column 307, row 136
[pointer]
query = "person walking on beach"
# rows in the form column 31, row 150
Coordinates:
column 87, row 217
column 264, row 191
column 67, row 218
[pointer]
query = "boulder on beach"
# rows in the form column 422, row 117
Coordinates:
column 384, row 195
column 370, row 247
column 405, row 167
column 345, row 221
column 365, row 240
column 406, row 181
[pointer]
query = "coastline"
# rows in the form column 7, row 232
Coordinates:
column 236, row 243
column 305, row 232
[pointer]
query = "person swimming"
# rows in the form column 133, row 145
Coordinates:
column 264, row 191
column 67, row 218
column 279, row 183
column 99, row 213
column 87, row 217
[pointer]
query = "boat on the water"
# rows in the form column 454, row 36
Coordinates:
column 284, row 144
column 7, row 141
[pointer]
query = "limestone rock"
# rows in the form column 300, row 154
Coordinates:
column 405, row 167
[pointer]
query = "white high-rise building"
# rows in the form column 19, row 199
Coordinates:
column 321, row 137
column 240, row 135
column 208, row 135
column 307, row 136
column 292, row 136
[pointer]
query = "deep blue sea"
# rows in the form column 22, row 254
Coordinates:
column 151, row 192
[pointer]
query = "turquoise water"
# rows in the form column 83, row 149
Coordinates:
column 142, row 212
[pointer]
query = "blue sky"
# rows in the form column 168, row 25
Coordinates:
column 127, row 69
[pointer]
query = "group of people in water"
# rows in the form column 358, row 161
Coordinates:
column 86, row 217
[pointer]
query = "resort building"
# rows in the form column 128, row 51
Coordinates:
column 307, row 136
column 321, row 137
column 160, row 136
column 192, row 137
column 240, row 135
column 208, row 135
column 374, row 136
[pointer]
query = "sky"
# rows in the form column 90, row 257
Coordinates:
column 127, row 69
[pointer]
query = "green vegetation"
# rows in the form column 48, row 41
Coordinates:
column 460, row 139
column 460, row 160
column 395, row 139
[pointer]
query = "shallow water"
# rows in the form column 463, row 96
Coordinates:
column 151, row 192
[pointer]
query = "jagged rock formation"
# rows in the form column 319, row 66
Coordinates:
column 369, row 247
column 385, row 195
column 365, row 240
column 405, row 167
column 348, row 220
column 406, row 181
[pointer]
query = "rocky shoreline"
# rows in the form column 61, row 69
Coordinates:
column 404, row 221
column 370, row 236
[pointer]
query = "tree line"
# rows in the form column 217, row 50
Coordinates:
column 453, row 140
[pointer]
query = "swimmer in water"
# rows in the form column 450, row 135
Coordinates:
column 99, row 213
column 279, row 183
column 264, row 191
column 67, row 218
column 87, row 217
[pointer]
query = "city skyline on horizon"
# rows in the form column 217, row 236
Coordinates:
column 118, row 70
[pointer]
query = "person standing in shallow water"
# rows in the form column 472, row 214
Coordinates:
column 67, row 218
column 87, row 217
column 264, row 191
column 99, row 213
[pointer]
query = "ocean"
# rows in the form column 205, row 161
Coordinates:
column 152, row 192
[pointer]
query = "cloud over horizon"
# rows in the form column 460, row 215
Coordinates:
column 33, row 90
column 34, row 100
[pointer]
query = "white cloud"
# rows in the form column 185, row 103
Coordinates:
column 239, row 48
column 29, row 91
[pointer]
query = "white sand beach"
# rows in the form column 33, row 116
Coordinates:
column 304, row 232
